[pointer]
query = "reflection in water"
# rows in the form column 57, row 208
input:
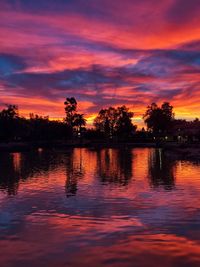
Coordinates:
column 115, row 212
column 161, row 170
column 10, row 172
column 114, row 165
column 21, row 166
column 74, row 172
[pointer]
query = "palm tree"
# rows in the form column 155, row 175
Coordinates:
column 79, row 121
column 70, row 110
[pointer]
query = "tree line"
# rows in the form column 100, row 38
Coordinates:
column 112, row 123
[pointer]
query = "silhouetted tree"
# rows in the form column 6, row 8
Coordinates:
column 38, row 127
column 41, row 128
column 124, row 125
column 115, row 122
column 106, row 121
column 184, row 130
column 94, row 135
column 8, row 122
column 159, row 119
column 11, row 112
column 110, row 123
column 74, row 120
column 70, row 110
column 79, row 122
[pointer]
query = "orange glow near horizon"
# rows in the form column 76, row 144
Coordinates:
column 106, row 54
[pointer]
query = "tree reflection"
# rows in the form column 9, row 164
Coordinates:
column 161, row 170
column 10, row 173
column 110, row 166
column 74, row 172
column 115, row 166
column 22, row 166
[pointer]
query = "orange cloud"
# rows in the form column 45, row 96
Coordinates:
column 108, row 54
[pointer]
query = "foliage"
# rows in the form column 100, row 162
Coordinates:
column 79, row 121
column 41, row 128
column 70, row 110
column 159, row 119
column 115, row 122
column 111, row 123
column 8, row 122
column 74, row 120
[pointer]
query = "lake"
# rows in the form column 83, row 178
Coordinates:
column 106, row 207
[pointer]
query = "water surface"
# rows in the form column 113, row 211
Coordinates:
column 108, row 207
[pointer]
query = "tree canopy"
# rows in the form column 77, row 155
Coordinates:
column 159, row 119
column 74, row 120
column 111, row 123
column 115, row 122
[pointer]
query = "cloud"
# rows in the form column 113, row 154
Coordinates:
column 10, row 64
column 183, row 11
column 102, row 52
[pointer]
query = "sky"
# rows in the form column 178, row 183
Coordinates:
column 102, row 52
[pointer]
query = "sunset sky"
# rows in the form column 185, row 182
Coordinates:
column 103, row 52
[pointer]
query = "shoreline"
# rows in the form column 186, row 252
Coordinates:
column 188, row 152
column 182, row 151
column 28, row 146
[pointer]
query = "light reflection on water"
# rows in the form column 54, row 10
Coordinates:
column 108, row 207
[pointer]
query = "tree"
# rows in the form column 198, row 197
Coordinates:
column 115, row 122
column 42, row 129
column 70, row 110
column 74, row 120
column 79, row 121
column 106, row 121
column 10, row 113
column 38, row 127
column 159, row 119
column 8, row 122
column 124, row 127
column 167, row 111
